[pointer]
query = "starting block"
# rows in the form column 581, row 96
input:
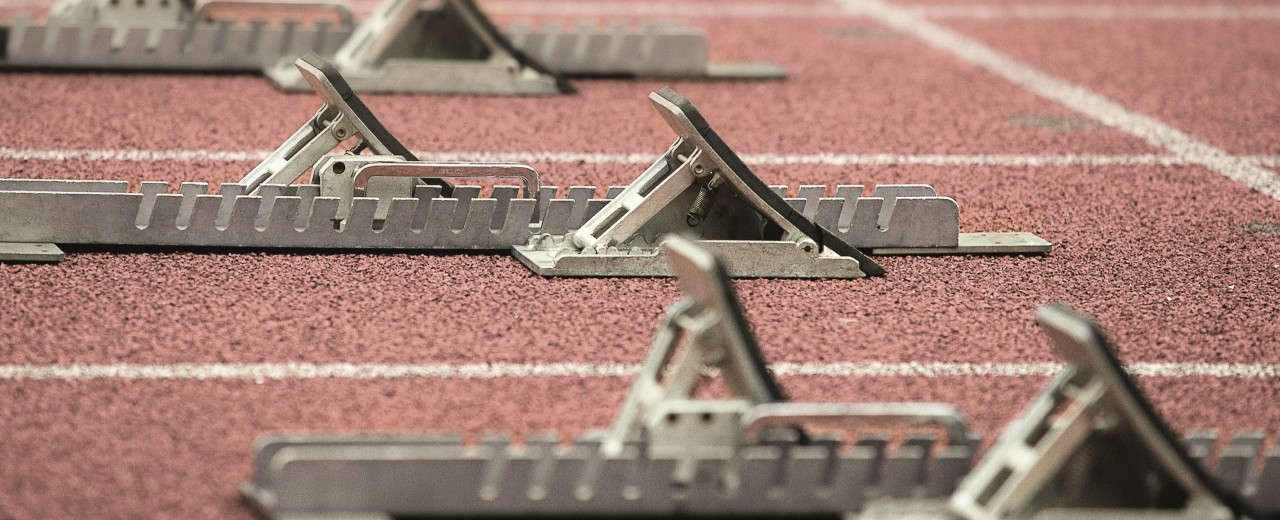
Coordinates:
column 343, row 181
column 447, row 46
column 701, row 189
column 452, row 47
column 668, row 452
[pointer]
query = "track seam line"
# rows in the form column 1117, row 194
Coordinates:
column 1076, row 97
column 281, row 371
column 830, row 159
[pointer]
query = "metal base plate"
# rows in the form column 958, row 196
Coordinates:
column 979, row 244
column 29, row 252
column 743, row 259
column 372, row 477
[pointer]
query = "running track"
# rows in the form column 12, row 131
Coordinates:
column 1142, row 139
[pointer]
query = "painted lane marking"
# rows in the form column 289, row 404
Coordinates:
column 1073, row 96
column 281, row 371
column 970, row 12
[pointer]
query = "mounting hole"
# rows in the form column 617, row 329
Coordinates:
column 340, row 132
column 339, row 168
column 706, row 417
column 698, row 168
column 672, row 418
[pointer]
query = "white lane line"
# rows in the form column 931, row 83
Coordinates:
column 265, row 371
column 1073, row 96
column 829, row 159
column 973, row 11
column 1098, row 12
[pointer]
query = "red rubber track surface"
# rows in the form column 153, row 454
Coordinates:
column 1176, row 262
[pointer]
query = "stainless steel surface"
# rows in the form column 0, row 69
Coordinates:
column 29, row 252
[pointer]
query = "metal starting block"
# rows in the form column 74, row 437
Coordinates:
column 377, row 195
column 169, row 35
column 701, row 189
column 669, row 451
column 452, row 47
column 448, row 46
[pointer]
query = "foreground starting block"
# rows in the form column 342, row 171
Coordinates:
column 1088, row 447
column 668, row 452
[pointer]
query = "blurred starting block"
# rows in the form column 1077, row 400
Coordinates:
column 1089, row 447
column 452, row 47
column 668, row 453
column 446, row 46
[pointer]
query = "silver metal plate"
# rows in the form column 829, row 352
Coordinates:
column 743, row 259
column 979, row 244
column 29, row 252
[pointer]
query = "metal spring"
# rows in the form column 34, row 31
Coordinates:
column 702, row 203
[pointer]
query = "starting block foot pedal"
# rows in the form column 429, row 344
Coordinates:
column 1091, row 446
column 699, row 188
column 451, row 48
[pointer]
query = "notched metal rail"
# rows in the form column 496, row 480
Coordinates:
column 106, row 212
